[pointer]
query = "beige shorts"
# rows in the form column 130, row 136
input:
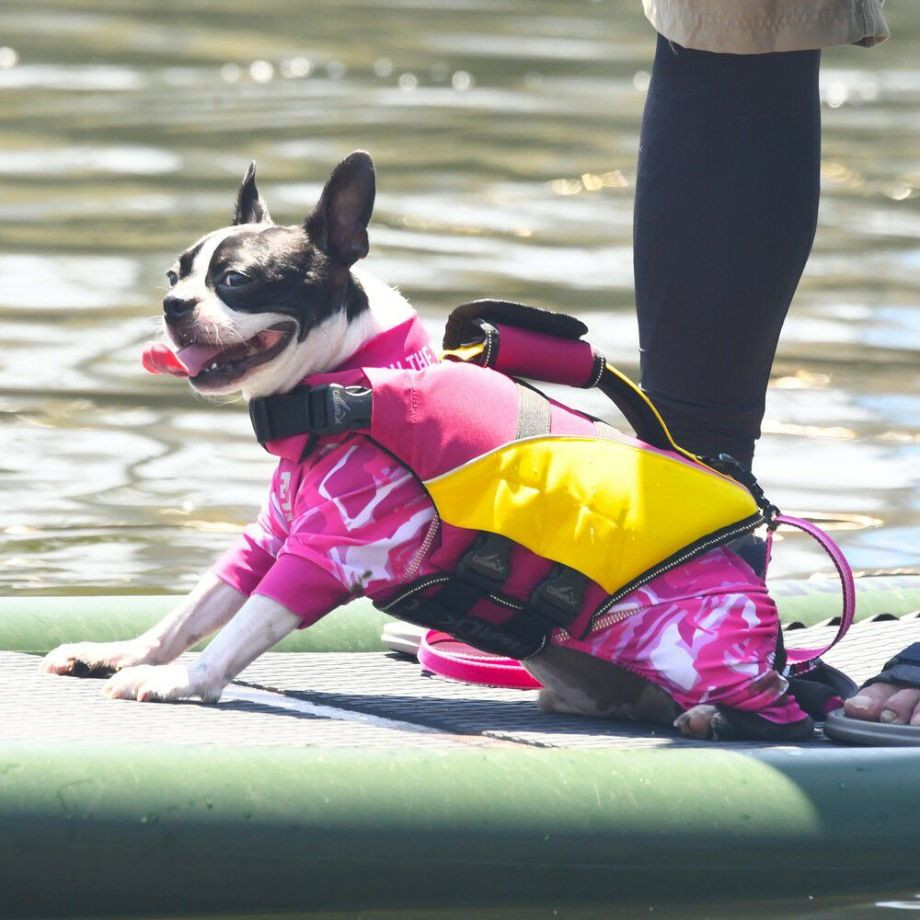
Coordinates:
column 761, row 26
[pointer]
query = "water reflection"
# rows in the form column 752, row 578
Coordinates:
column 130, row 160
column 901, row 905
column 505, row 136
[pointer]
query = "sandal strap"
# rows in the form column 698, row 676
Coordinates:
column 904, row 669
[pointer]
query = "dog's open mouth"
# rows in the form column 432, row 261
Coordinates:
column 211, row 365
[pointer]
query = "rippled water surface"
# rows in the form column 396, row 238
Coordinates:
column 505, row 135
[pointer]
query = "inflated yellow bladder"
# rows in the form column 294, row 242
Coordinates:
column 608, row 508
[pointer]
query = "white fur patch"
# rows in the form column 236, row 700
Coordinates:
column 217, row 323
column 325, row 347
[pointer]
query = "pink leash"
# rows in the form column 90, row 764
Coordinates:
column 803, row 658
column 445, row 656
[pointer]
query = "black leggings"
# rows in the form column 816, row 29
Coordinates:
column 726, row 210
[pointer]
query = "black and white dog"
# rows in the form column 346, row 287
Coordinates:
column 255, row 308
column 252, row 308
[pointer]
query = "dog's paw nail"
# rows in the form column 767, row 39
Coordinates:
column 56, row 665
column 113, row 691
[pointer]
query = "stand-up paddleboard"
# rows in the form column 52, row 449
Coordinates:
column 337, row 776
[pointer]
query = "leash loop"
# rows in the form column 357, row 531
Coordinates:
column 803, row 659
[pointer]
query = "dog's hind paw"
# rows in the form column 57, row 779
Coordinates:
column 697, row 722
column 722, row 723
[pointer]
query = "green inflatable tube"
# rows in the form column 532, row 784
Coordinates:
column 97, row 831
column 38, row 624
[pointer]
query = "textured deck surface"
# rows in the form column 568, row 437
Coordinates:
column 367, row 700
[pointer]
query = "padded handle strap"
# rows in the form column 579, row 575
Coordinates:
column 553, row 358
column 802, row 658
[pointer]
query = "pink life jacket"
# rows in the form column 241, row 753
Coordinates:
column 491, row 591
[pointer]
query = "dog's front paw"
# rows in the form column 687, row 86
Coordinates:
column 159, row 684
column 92, row 659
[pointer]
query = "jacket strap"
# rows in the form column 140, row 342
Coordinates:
column 322, row 410
column 480, row 575
column 533, row 413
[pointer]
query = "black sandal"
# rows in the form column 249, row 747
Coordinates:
column 902, row 670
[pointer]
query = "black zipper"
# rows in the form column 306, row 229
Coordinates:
column 717, row 538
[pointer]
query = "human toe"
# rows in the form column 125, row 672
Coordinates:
column 870, row 702
column 901, row 708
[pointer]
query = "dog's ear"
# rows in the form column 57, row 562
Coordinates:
column 250, row 208
column 338, row 224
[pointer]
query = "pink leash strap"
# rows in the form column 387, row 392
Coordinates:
column 442, row 654
column 802, row 658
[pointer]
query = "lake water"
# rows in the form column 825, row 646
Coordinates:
column 505, row 135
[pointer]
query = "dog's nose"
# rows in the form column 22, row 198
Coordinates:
column 176, row 307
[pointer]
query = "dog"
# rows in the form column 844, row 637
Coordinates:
column 255, row 308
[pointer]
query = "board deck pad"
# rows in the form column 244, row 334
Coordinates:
column 367, row 700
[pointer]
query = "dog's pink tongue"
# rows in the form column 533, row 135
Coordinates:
column 159, row 358
column 196, row 357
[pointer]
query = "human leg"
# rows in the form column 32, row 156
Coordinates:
column 726, row 209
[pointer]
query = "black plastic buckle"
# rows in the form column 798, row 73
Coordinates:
column 487, row 564
column 559, row 597
column 322, row 410
column 332, row 409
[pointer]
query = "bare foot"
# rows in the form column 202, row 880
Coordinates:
column 883, row 702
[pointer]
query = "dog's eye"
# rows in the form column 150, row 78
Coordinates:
column 233, row 279
column 172, row 278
